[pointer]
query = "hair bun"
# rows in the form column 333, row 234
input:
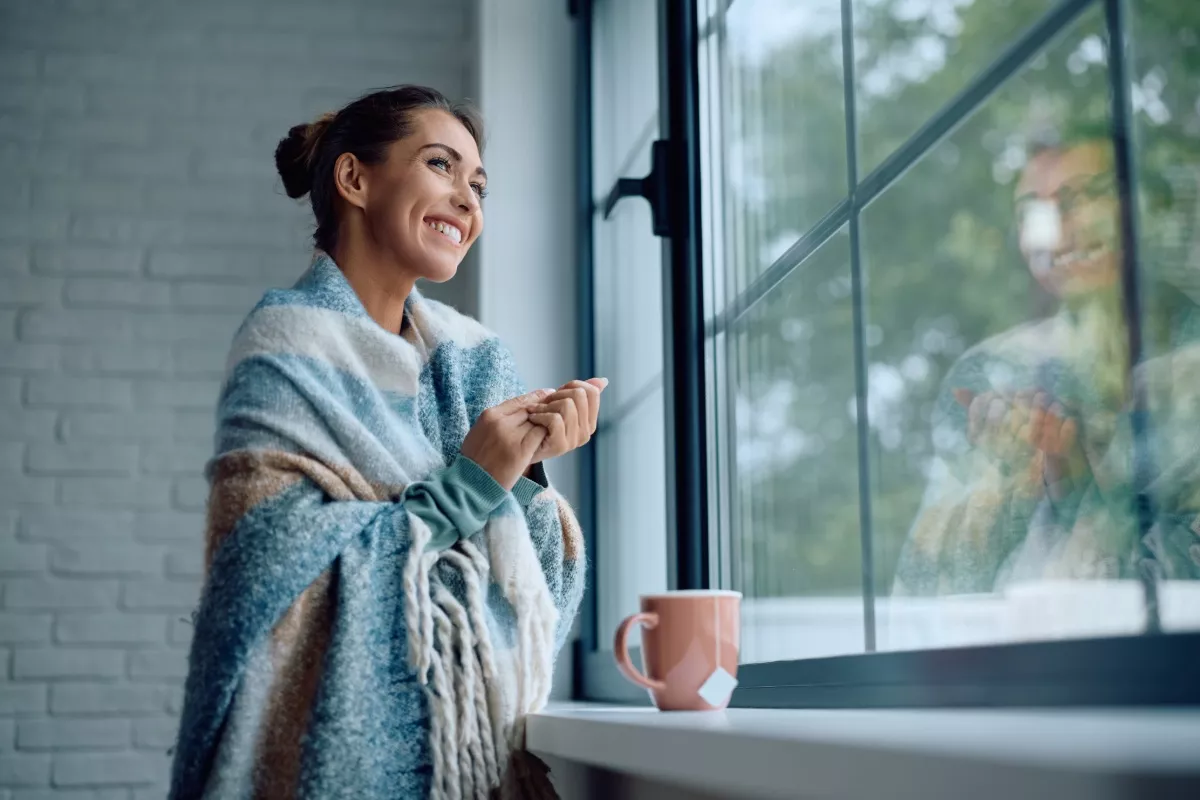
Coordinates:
column 295, row 154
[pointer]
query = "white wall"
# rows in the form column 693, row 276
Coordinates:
column 140, row 217
column 527, row 261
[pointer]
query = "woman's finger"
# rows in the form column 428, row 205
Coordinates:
column 532, row 437
column 565, row 407
column 554, row 443
column 591, row 414
column 515, row 404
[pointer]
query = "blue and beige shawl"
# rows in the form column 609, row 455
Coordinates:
column 333, row 656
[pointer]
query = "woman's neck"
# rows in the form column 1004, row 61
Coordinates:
column 381, row 287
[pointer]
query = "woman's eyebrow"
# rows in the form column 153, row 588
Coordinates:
column 454, row 154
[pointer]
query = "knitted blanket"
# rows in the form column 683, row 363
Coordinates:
column 332, row 655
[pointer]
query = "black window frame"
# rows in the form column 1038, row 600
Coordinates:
column 1151, row 668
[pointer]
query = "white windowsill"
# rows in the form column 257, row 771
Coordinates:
column 926, row 754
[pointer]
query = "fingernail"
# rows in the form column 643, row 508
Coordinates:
column 605, row 381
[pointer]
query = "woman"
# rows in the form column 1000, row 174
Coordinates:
column 389, row 574
column 1034, row 478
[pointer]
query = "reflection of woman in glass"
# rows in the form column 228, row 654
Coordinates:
column 1032, row 474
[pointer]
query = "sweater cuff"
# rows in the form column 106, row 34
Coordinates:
column 486, row 495
column 527, row 489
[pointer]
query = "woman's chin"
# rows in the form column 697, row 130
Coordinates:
column 439, row 273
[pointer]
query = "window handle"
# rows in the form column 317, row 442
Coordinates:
column 653, row 187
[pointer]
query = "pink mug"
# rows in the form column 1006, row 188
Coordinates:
column 689, row 648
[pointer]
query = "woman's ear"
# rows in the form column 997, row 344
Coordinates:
column 350, row 178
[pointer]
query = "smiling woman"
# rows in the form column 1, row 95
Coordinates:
column 389, row 575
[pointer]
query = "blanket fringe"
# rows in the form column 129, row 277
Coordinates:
column 476, row 733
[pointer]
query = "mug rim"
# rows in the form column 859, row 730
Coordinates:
column 692, row 593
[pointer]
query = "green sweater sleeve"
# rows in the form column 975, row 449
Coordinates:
column 454, row 502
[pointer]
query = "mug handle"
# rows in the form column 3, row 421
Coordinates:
column 621, row 650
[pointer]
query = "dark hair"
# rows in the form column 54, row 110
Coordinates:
column 366, row 128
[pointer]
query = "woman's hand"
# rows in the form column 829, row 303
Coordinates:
column 568, row 416
column 1030, row 432
column 504, row 439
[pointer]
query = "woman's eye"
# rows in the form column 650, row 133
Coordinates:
column 480, row 190
column 440, row 163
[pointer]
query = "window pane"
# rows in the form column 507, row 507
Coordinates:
column 782, row 125
column 998, row 378
column 1166, row 88
column 913, row 56
column 625, row 88
column 631, row 551
column 795, row 549
column 629, row 310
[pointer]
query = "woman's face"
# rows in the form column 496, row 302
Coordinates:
column 1067, row 215
column 423, row 202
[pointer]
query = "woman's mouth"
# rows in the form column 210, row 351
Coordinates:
column 449, row 230
column 1081, row 257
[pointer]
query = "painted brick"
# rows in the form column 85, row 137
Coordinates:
column 106, row 699
column 177, row 394
column 58, row 662
column 21, row 558
column 160, row 327
column 180, row 633
column 14, row 258
column 73, row 734
column 79, row 260
column 81, row 459
column 38, row 594
column 195, row 426
column 61, row 525
column 25, row 290
column 76, row 794
column 74, row 326
column 19, row 490
column 24, row 628
column 195, row 360
column 20, row 699
column 175, row 458
column 95, row 195
column 216, row 296
column 98, row 769
column 108, row 558
column 27, row 425
column 138, row 493
column 22, row 357
column 114, row 293
column 155, row 734
column 24, row 769
column 60, row 390
column 117, row 426
column 33, row 225
column 186, row 562
column 169, row 526
column 190, row 494
column 128, row 359
column 109, row 627
column 162, row 665
column 204, row 263
column 175, row 595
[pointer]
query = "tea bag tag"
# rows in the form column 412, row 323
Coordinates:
column 716, row 690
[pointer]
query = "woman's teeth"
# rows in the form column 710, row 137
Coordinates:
column 1074, row 256
column 449, row 230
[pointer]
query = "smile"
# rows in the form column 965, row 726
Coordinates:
column 1073, row 257
column 448, row 230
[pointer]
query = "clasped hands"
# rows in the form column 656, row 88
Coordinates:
column 508, row 438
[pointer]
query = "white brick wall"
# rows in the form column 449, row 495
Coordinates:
column 140, row 217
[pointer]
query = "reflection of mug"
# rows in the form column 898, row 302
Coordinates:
column 689, row 648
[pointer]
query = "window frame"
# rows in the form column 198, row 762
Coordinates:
column 1146, row 669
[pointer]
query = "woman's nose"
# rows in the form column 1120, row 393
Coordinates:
column 466, row 199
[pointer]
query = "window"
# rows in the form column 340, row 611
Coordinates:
column 950, row 259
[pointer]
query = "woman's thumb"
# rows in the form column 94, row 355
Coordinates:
column 521, row 401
